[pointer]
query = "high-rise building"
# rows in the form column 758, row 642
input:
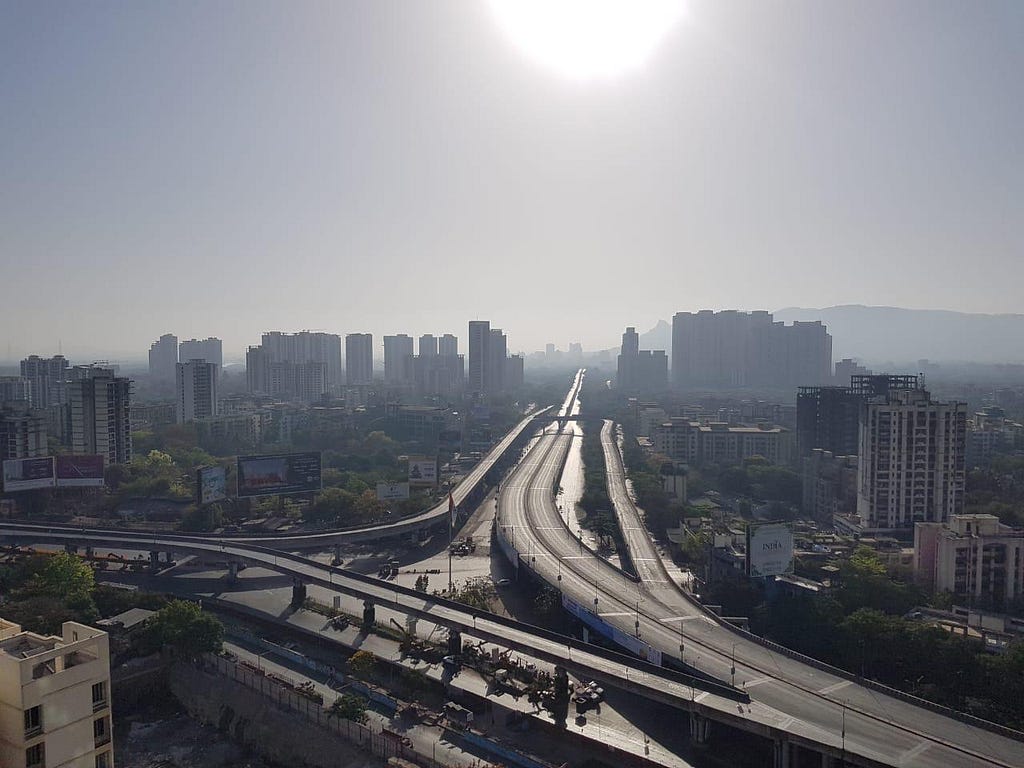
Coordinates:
column 497, row 352
column 398, row 354
column 640, row 371
column 358, row 359
column 479, row 339
column 100, row 405
column 47, row 378
column 428, row 345
column 911, row 467
column 163, row 357
column 731, row 350
column 829, row 417
column 15, row 389
column 210, row 350
column 196, row 390
column 447, row 346
column 306, row 347
column 55, row 697
column 514, row 372
column 22, row 432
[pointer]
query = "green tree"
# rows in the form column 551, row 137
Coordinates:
column 184, row 626
column 348, row 706
column 65, row 577
column 362, row 663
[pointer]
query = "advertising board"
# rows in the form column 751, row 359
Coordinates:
column 79, row 471
column 28, row 474
column 422, row 470
column 279, row 474
column 212, row 484
column 769, row 549
column 392, row 491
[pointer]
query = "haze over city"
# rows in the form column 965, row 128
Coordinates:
column 377, row 166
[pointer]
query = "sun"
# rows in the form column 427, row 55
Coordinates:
column 588, row 39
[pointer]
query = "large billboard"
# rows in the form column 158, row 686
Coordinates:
column 422, row 470
column 28, row 474
column 211, row 484
column 79, row 471
column 769, row 549
column 280, row 474
column 392, row 491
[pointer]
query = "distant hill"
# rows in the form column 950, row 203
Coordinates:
column 893, row 334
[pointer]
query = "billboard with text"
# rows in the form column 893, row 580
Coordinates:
column 392, row 491
column 79, row 471
column 279, row 474
column 422, row 470
column 212, row 484
column 769, row 549
column 28, row 474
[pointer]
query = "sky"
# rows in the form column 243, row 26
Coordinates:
column 385, row 166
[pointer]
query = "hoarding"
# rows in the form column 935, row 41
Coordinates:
column 28, row 474
column 392, row 491
column 769, row 549
column 79, row 471
column 211, row 484
column 422, row 470
column 279, row 474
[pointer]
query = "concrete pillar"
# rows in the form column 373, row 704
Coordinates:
column 336, row 560
column 410, row 625
column 454, row 642
column 700, row 728
column 154, row 561
column 369, row 613
column 232, row 570
column 70, row 548
column 781, row 754
column 298, row 592
column 827, row 761
column 88, row 551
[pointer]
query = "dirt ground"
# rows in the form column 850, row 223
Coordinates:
column 162, row 735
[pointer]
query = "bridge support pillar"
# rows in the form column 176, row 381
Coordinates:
column 827, row 761
column 369, row 613
column 560, row 706
column 88, row 551
column 232, row 571
column 298, row 592
column 336, row 560
column 454, row 642
column 782, row 757
column 700, row 728
column 154, row 561
column 71, row 549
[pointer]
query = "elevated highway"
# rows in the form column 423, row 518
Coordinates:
column 807, row 703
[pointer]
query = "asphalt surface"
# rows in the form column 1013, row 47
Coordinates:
column 795, row 697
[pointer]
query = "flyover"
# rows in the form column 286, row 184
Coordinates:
column 874, row 726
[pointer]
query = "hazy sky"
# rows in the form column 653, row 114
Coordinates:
column 230, row 167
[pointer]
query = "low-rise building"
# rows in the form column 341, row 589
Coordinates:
column 720, row 443
column 972, row 556
column 55, row 698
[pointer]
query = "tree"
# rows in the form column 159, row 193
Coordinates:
column 362, row 662
column 64, row 577
column 183, row 626
column 349, row 707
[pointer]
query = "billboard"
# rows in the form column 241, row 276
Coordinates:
column 211, row 484
column 279, row 474
column 80, row 471
column 28, row 474
column 769, row 549
column 392, row 491
column 422, row 470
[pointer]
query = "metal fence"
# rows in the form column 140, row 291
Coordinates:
column 281, row 691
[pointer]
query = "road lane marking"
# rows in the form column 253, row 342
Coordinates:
column 626, row 613
column 907, row 757
column 836, row 686
column 758, row 681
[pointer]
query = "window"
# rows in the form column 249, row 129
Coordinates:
column 103, row 760
column 100, row 731
column 33, row 721
column 34, row 757
column 99, row 696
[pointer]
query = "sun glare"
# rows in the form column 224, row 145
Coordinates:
column 588, row 39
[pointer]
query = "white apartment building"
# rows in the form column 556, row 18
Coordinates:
column 720, row 443
column 398, row 358
column 911, row 460
column 55, row 698
column 971, row 556
column 196, row 390
column 100, row 405
column 210, row 349
column 358, row 359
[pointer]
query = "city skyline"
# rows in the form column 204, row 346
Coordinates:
column 388, row 170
